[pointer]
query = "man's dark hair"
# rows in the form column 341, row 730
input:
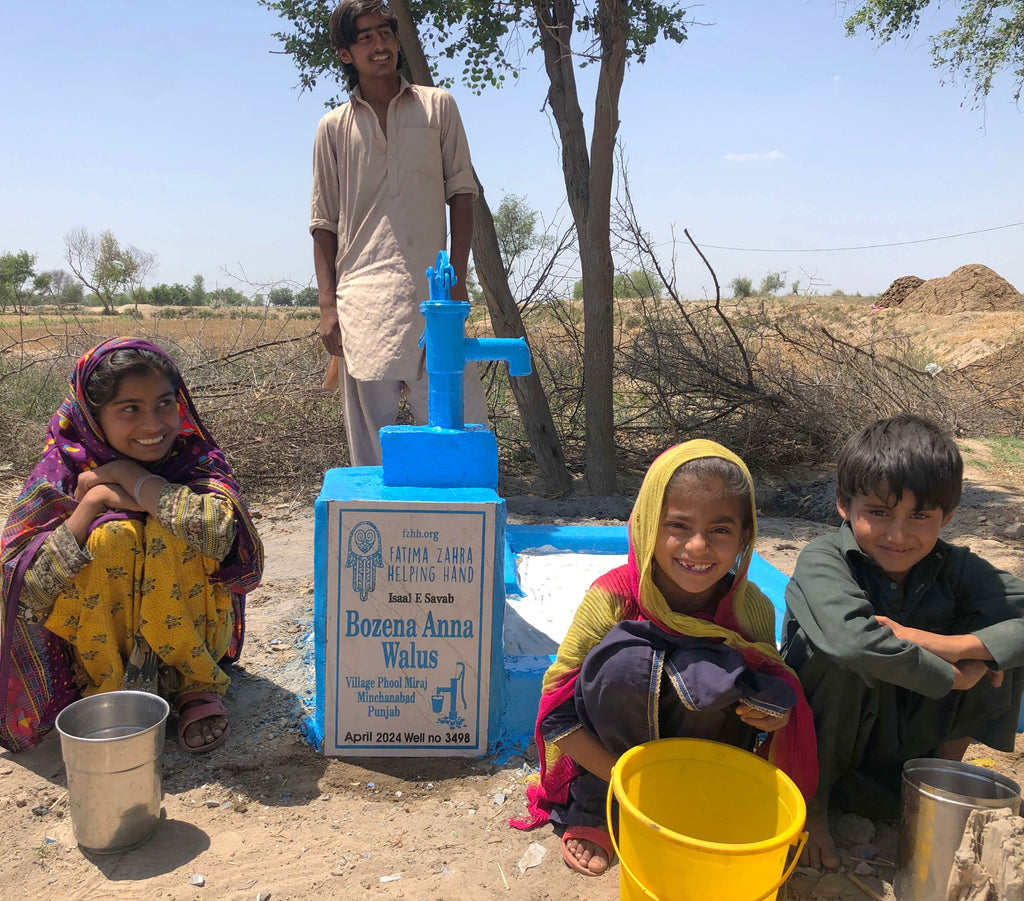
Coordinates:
column 900, row 454
column 342, row 28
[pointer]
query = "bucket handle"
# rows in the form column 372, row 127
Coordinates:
column 800, row 842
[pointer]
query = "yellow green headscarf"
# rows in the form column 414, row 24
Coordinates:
column 754, row 613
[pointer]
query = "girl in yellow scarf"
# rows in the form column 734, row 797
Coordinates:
column 677, row 642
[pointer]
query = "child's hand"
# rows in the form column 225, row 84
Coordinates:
column 968, row 673
column 955, row 649
column 945, row 646
column 904, row 633
column 760, row 720
column 112, row 497
column 94, row 502
column 927, row 640
column 117, row 472
column 86, row 482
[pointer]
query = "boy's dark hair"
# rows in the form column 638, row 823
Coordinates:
column 342, row 28
column 900, row 454
column 734, row 483
column 103, row 383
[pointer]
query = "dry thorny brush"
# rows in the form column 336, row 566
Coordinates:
column 783, row 389
column 779, row 388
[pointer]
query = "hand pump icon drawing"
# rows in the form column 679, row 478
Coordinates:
column 452, row 719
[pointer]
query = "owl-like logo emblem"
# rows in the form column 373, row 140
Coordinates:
column 364, row 557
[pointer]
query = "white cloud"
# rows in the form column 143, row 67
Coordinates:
column 753, row 157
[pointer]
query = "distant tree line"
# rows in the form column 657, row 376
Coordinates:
column 105, row 273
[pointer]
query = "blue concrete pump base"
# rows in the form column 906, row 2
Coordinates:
column 434, row 457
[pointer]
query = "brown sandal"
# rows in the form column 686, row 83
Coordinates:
column 209, row 704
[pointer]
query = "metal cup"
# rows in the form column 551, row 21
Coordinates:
column 111, row 744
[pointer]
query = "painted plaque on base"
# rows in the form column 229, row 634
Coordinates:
column 408, row 628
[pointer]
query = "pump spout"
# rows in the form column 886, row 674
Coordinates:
column 448, row 349
column 514, row 350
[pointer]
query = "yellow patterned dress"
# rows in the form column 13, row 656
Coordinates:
column 137, row 604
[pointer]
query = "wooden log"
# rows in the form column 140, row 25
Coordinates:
column 989, row 864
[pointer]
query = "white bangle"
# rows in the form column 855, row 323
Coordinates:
column 142, row 480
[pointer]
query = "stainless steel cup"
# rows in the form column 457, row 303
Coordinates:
column 111, row 745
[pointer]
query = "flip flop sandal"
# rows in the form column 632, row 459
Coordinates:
column 212, row 705
column 595, row 834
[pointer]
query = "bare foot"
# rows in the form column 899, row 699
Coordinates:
column 202, row 732
column 820, row 851
column 205, row 732
column 590, row 854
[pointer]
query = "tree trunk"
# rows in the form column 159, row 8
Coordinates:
column 588, row 183
column 507, row 323
column 505, row 318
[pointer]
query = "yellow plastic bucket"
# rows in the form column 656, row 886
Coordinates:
column 699, row 819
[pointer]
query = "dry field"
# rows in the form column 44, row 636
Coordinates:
column 256, row 377
column 266, row 815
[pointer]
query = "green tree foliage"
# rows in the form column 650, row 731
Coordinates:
column 627, row 285
column 986, row 38
column 106, row 268
column 58, row 287
column 41, row 286
column 638, row 283
column 226, row 297
column 772, row 282
column 742, row 287
column 516, row 225
column 17, row 270
column 163, row 295
column 197, row 293
column 307, row 297
column 527, row 250
column 483, row 36
column 281, row 296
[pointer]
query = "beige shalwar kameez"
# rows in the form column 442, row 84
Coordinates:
column 385, row 198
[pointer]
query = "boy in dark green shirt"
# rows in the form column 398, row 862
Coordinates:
column 906, row 646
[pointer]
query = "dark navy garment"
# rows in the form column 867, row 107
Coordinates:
column 639, row 683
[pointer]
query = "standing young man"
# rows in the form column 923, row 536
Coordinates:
column 385, row 164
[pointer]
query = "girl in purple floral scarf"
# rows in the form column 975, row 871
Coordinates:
column 127, row 556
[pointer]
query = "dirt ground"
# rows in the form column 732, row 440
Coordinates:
column 267, row 816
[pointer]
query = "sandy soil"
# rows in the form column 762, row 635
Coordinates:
column 267, row 816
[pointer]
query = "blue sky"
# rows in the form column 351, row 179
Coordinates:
column 179, row 129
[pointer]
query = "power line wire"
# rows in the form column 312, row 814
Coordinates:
column 860, row 247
